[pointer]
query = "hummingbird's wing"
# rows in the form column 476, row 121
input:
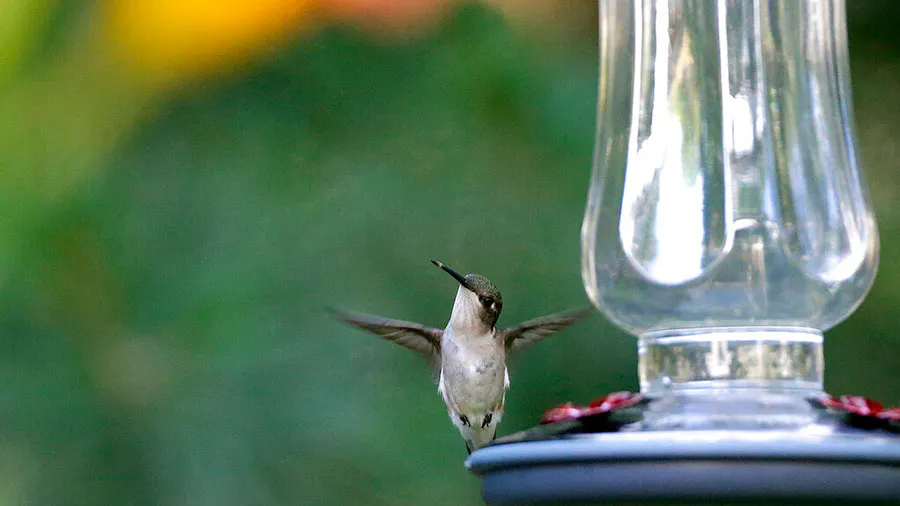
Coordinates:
column 410, row 335
column 531, row 331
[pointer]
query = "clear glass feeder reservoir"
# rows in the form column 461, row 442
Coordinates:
column 728, row 223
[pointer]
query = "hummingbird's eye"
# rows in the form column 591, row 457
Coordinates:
column 486, row 301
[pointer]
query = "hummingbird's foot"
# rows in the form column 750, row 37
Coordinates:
column 465, row 420
column 487, row 420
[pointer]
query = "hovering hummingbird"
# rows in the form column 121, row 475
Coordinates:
column 469, row 354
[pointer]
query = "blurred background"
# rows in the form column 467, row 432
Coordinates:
column 185, row 185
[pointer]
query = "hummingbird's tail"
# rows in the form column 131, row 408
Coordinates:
column 470, row 446
column 476, row 437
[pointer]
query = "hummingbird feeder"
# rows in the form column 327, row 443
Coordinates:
column 728, row 226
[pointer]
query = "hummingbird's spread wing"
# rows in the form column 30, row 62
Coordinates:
column 410, row 335
column 531, row 331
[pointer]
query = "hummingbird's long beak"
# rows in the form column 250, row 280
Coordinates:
column 457, row 276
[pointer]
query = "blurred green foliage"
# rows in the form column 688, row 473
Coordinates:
column 164, row 340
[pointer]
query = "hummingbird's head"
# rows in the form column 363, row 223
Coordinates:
column 482, row 296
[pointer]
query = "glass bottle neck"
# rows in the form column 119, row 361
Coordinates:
column 770, row 358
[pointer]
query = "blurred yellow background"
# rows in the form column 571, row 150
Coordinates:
column 186, row 185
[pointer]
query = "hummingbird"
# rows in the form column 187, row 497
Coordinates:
column 469, row 355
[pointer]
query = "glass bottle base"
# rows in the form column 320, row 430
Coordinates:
column 731, row 378
column 780, row 358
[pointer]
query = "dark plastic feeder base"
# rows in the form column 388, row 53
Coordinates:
column 696, row 466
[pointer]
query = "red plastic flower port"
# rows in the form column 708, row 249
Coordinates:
column 600, row 405
column 864, row 412
column 615, row 400
column 567, row 411
column 891, row 415
column 854, row 404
